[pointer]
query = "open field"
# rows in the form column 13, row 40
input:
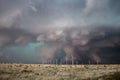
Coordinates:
column 58, row 72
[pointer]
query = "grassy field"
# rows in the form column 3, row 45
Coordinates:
column 58, row 72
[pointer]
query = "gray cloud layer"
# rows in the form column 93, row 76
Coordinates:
column 34, row 15
column 59, row 28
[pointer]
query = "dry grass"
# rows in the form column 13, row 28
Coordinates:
column 58, row 72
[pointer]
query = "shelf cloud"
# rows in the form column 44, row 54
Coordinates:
column 50, row 29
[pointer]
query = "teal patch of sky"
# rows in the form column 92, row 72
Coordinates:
column 27, row 52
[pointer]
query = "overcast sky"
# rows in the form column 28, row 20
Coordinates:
column 27, row 28
column 33, row 15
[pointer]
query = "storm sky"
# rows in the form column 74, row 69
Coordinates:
column 26, row 24
column 58, row 13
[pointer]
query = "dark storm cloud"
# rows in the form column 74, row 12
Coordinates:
column 37, row 15
column 15, row 36
column 65, row 28
column 99, row 12
column 9, row 11
column 115, row 5
column 82, row 44
column 48, row 14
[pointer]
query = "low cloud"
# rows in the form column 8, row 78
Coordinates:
column 43, row 29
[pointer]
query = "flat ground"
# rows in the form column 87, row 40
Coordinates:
column 59, row 72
